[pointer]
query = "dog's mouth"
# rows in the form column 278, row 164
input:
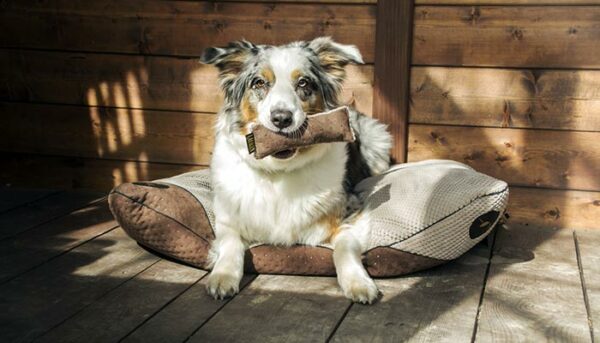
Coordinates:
column 284, row 154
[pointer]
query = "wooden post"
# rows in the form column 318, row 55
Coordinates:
column 392, row 70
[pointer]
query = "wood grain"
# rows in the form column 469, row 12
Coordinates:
column 540, row 158
column 35, row 302
column 433, row 306
column 501, row 36
column 391, row 89
column 275, row 308
column 111, row 133
column 507, row 2
column 588, row 242
column 183, row 28
column 52, row 239
column 549, row 99
column 81, row 173
column 11, row 198
column 533, row 292
column 174, row 322
column 44, row 210
column 120, row 311
column 554, row 208
column 140, row 82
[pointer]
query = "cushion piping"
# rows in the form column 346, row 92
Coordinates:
column 162, row 214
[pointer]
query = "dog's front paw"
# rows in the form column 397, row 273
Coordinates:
column 358, row 288
column 222, row 285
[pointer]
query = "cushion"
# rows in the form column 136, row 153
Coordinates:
column 423, row 214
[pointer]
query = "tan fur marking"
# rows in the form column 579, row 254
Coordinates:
column 249, row 114
column 332, row 222
column 296, row 74
column 268, row 74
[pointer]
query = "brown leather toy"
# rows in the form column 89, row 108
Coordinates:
column 325, row 127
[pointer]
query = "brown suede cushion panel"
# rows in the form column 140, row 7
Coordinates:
column 171, row 221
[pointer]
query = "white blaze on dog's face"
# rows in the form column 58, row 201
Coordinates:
column 279, row 86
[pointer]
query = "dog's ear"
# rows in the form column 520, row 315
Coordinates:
column 230, row 60
column 333, row 56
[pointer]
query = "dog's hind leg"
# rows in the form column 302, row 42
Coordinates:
column 349, row 244
column 228, row 268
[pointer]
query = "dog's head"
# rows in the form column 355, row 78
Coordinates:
column 279, row 86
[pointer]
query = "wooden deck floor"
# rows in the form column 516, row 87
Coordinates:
column 68, row 273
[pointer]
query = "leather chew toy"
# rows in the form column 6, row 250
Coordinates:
column 325, row 127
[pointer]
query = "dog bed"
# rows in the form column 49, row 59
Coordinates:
column 423, row 214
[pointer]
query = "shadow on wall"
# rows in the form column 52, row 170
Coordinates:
column 525, row 127
column 155, row 119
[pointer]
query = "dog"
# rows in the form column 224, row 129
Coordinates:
column 295, row 196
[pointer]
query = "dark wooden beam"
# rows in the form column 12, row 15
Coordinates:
column 392, row 70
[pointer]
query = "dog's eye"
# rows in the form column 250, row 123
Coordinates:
column 258, row 83
column 302, row 83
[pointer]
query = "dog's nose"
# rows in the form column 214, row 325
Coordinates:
column 281, row 118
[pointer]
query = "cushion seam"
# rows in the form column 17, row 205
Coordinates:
column 163, row 214
column 441, row 219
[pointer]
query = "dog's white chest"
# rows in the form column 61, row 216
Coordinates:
column 279, row 208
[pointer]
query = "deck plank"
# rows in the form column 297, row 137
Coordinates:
column 40, row 244
column 26, row 217
column 11, row 198
column 276, row 308
column 534, row 291
column 589, row 242
column 431, row 306
column 126, row 307
column 178, row 321
column 36, row 301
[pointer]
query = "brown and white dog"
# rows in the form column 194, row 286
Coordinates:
column 297, row 196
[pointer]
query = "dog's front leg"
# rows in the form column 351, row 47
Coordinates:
column 228, row 255
column 354, row 280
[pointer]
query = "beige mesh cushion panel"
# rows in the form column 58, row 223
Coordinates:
column 427, row 208
column 421, row 215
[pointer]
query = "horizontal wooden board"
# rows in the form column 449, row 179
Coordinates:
column 115, row 133
column 553, row 99
column 539, row 158
column 507, row 2
column 181, row 28
column 316, row 1
column 73, row 172
column 515, row 36
column 129, row 81
column 554, row 208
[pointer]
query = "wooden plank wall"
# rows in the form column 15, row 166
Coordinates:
column 512, row 88
column 95, row 93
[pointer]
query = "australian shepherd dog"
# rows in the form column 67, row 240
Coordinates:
column 295, row 196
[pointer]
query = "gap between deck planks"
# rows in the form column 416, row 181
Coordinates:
column 110, row 288
column 28, row 216
column 47, row 241
column 12, row 198
column 534, row 291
